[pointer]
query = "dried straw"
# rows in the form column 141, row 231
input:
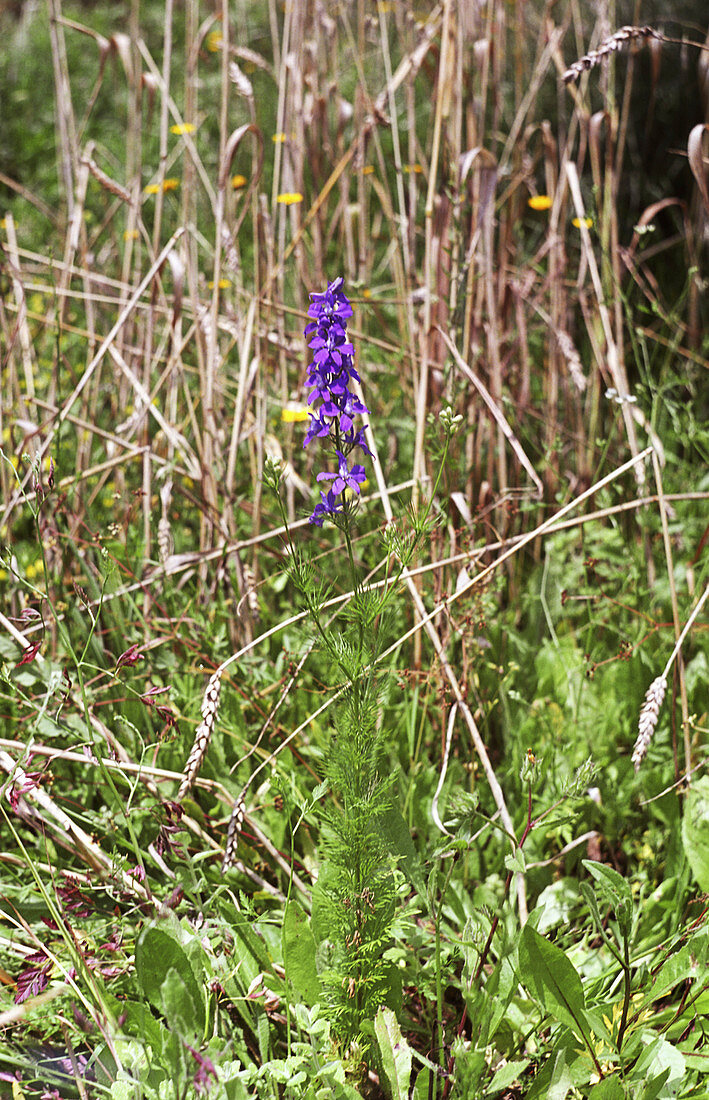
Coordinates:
column 656, row 692
column 607, row 47
column 236, row 822
column 648, row 718
column 210, row 707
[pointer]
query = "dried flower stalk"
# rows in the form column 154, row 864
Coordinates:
column 607, row 47
column 648, row 718
column 656, row 692
column 234, row 831
column 210, row 707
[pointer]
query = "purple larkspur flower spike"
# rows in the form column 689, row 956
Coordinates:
column 334, row 405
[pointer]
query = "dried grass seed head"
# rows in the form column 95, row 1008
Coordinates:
column 649, row 715
column 607, row 47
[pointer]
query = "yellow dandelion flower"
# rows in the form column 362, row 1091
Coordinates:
column 288, row 198
column 214, row 41
column 366, row 293
column 578, row 222
column 278, row 138
column 294, row 414
column 223, row 284
column 539, row 202
column 238, row 181
column 170, row 184
column 183, row 128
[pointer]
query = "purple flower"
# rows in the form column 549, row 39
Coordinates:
column 334, row 405
column 356, row 439
column 318, row 427
column 344, row 478
column 205, row 1070
column 333, row 302
column 328, row 506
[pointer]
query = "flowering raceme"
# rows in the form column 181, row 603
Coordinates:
column 334, row 405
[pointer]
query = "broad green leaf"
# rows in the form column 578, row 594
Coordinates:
column 395, row 1053
column 499, row 989
column 264, row 1037
column 616, row 886
column 653, row 1088
column 156, row 953
column 470, row 1065
column 556, row 903
column 686, row 963
column 506, row 1075
column 610, row 1088
column 253, row 943
column 550, row 977
column 658, row 1056
column 179, row 1006
column 134, row 1055
column 422, row 1086
column 299, row 955
column 138, row 1021
column 123, row 1090
column 695, row 831
column 592, row 903
column 615, row 890
column 568, row 1066
column 515, row 861
column 236, row 1089
column 560, row 1079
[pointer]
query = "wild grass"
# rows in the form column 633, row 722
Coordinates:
column 516, row 196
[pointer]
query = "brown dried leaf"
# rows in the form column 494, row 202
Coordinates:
column 698, row 162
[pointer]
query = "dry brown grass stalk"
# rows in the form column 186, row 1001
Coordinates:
column 608, row 46
column 203, row 733
column 236, row 822
column 648, row 718
column 41, row 810
column 656, row 693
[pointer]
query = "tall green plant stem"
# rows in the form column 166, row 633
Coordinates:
column 627, row 978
